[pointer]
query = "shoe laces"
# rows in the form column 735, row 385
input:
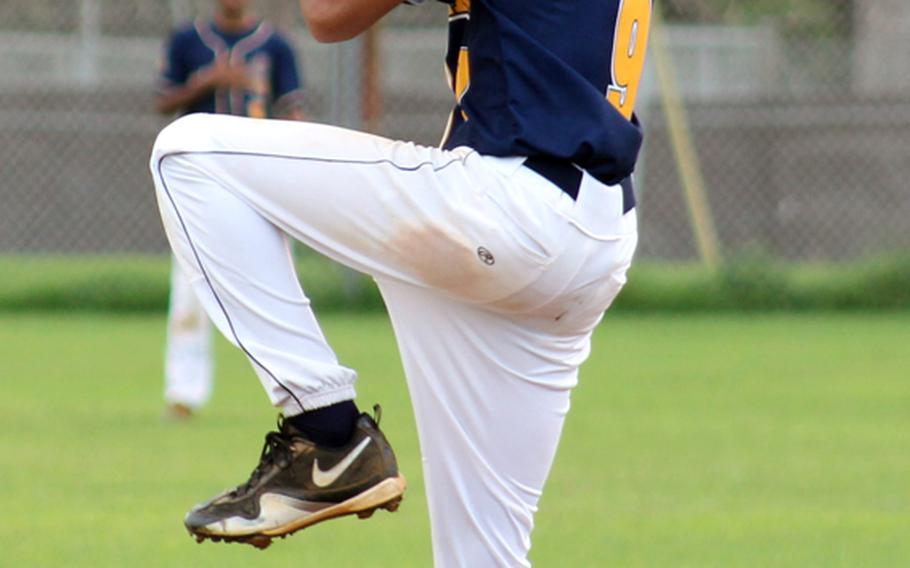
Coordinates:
column 276, row 451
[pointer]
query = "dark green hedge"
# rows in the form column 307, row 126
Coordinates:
column 109, row 283
column 130, row 283
column 757, row 284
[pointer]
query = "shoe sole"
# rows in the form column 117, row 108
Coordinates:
column 386, row 494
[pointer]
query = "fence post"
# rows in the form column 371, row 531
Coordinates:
column 683, row 147
column 89, row 33
column 346, row 111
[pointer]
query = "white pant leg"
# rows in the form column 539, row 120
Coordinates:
column 487, row 436
column 188, row 361
column 490, row 393
column 490, row 387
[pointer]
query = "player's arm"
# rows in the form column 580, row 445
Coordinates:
column 338, row 20
column 201, row 84
column 182, row 96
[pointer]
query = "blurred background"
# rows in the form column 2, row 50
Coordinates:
column 774, row 172
column 769, row 425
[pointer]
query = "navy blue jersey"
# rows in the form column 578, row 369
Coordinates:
column 276, row 84
column 555, row 78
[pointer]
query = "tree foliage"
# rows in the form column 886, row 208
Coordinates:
column 798, row 17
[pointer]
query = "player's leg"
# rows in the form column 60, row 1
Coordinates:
column 490, row 397
column 490, row 387
column 188, row 348
column 487, row 434
column 240, row 265
column 491, row 390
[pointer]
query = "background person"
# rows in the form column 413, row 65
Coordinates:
column 232, row 63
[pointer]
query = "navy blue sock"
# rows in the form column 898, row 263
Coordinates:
column 329, row 425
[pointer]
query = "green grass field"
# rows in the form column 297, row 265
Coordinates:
column 694, row 440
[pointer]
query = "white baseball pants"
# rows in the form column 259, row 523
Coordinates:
column 188, row 358
column 493, row 277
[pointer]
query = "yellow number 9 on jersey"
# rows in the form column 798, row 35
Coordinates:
column 629, row 41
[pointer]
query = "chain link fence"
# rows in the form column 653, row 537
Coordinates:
column 796, row 112
column 773, row 127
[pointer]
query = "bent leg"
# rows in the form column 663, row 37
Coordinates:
column 240, row 265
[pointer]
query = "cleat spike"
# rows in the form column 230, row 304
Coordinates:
column 260, row 542
column 392, row 506
column 366, row 514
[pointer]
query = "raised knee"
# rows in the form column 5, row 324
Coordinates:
column 186, row 134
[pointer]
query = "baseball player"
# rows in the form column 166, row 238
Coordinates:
column 230, row 64
column 496, row 254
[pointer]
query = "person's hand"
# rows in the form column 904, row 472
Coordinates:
column 223, row 74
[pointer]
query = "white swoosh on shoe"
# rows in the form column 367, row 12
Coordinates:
column 328, row 477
